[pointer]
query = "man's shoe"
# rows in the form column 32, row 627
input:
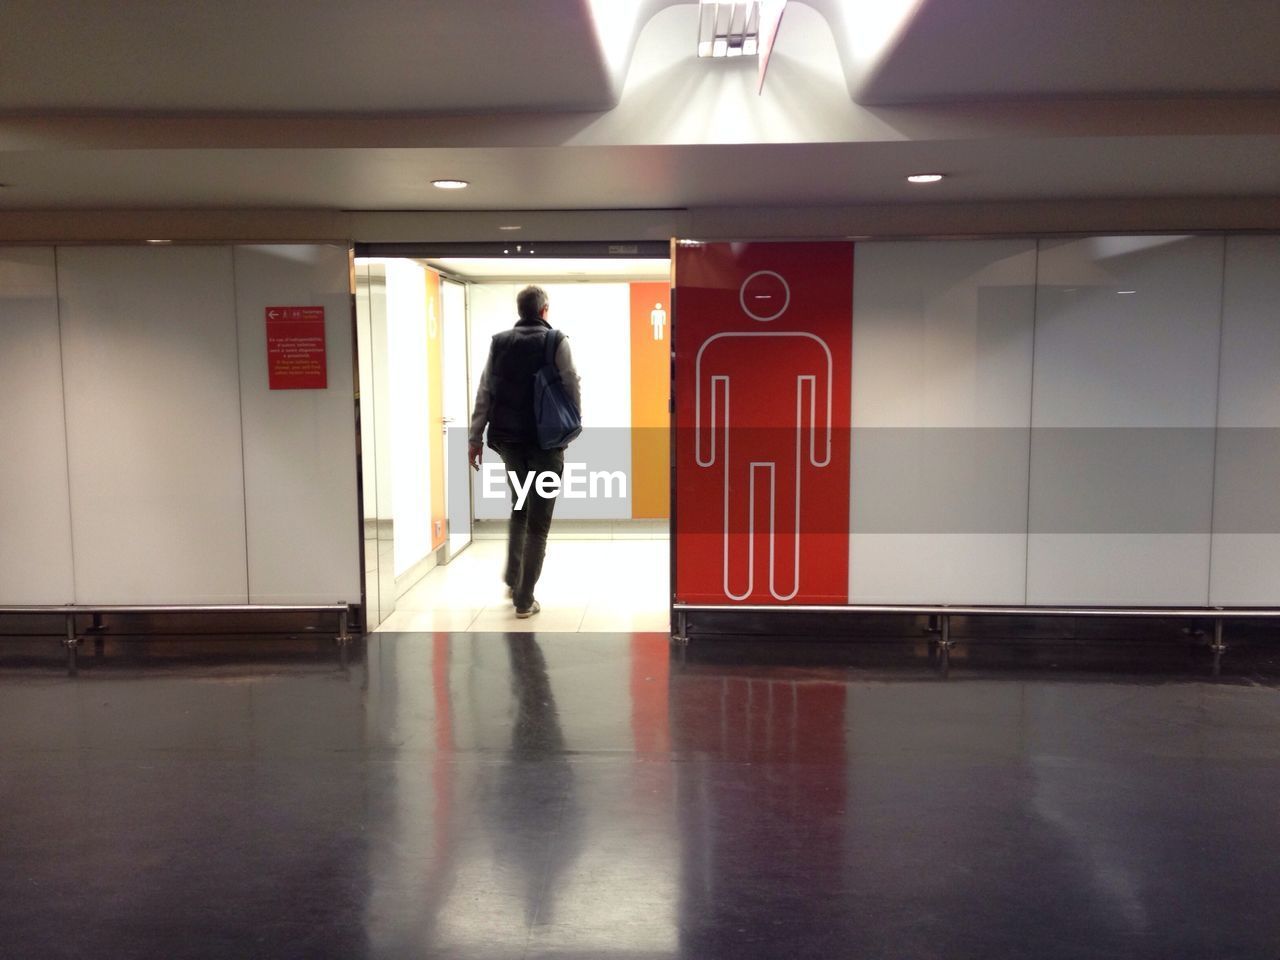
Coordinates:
column 529, row 611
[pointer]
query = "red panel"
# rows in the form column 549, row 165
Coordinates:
column 296, row 348
column 763, row 341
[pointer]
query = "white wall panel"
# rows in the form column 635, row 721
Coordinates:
column 299, row 445
column 493, row 308
column 35, row 516
column 364, row 354
column 1124, row 402
column 1246, row 517
column 153, row 424
column 942, row 354
column 596, row 317
column 457, row 413
column 410, row 426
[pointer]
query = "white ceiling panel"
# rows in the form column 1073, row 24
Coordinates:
column 377, row 56
column 993, row 49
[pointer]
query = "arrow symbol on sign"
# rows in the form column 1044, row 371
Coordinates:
column 273, row 314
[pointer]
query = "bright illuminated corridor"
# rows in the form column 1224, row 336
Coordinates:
column 587, row 586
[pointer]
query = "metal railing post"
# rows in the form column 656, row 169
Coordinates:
column 344, row 638
column 71, row 641
column 1219, row 644
column 681, row 633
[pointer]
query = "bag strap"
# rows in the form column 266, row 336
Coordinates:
column 553, row 344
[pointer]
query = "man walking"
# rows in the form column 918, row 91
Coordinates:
column 504, row 402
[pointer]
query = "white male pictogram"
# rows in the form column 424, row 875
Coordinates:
column 658, row 317
column 761, row 440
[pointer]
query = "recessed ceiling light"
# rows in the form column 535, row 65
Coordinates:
column 159, row 241
column 925, row 177
column 1123, row 292
column 450, row 184
column 510, row 226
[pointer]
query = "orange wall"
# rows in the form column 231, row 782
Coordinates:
column 650, row 395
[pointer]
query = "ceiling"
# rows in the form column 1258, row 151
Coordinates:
column 378, row 56
column 652, row 177
column 601, row 104
column 974, row 50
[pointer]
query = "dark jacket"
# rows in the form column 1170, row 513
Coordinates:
column 504, row 399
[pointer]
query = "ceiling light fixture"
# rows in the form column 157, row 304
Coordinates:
column 728, row 28
column 510, row 226
column 159, row 241
column 450, row 184
column 925, row 177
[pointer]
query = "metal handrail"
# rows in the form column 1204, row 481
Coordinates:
column 946, row 611
column 175, row 608
column 72, row 639
column 936, row 609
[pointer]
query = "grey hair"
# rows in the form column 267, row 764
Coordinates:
column 530, row 301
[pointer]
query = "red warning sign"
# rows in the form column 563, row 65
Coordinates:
column 295, row 348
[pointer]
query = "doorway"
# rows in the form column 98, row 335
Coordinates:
column 411, row 327
column 607, row 566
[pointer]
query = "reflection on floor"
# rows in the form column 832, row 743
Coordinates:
column 609, row 796
column 586, row 586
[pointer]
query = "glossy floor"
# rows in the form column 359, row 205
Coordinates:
column 590, row 796
column 587, row 586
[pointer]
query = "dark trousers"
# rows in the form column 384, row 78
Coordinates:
column 527, row 531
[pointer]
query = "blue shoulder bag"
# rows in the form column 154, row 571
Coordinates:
column 559, row 421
